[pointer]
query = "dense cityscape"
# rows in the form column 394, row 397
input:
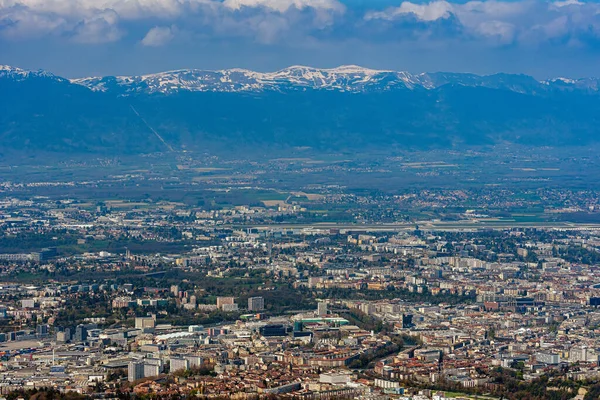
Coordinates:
column 322, row 293
column 299, row 199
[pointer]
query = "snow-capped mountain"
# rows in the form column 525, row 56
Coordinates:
column 290, row 108
column 346, row 78
column 15, row 73
column 589, row 84
column 349, row 78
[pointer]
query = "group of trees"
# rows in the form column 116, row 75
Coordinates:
column 83, row 306
column 195, row 371
column 578, row 254
column 508, row 384
column 393, row 292
column 363, row 321
column 43, row 394
column 397, row 343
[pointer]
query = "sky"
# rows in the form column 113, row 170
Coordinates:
column 77, row 38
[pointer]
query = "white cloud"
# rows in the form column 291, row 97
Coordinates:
column 555, row 28
column 135, row 9
column 504, row 32
column 21, row 24
column 271, row 28
column 270, row 21
column 567, row 3
column 158, row 36
column 425, row 12
column 285, row 5
column 100, row 28
column 466, row 12
column 505, row 21
column 91, row 21
column 127, row 9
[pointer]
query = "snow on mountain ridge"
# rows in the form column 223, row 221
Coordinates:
column 349, row 69
column 9, row 68
column 350, row 78
column 19, row 73
column 345, row 78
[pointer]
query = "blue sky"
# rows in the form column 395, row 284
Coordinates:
column 77, row 38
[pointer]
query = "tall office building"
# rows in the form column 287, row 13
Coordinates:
column 177, row 364
column 256, row 304
column 135, row 371
column 42, row 330
column 151, row 370
column 81, row 334
column 194, row 361
column 322, row 309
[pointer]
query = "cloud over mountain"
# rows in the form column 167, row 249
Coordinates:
column 158, row 36
column 507, row 21
column 322, row 27
column 107, row 20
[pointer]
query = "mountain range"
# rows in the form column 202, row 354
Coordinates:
column 348, row 78
column 348, row 108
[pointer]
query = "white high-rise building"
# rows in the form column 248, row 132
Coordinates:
column 322, row 309
column 578, row 354
column 177, row 364
column 194, row 361
column 135, row 371
column 151, row 370
column 256, row 304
